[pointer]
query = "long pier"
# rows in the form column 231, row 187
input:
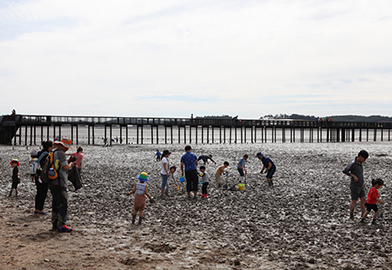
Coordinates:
column 25, row 129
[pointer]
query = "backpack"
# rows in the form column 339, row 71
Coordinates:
column 49, row 172
column 33, row 166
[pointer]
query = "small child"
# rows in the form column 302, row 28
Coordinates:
column 372, row 199
column 241, row 167
column 15, row 176
column 172, row 170
column 158, row 155
column 34, row 159
column 220, row 171
column 141, row 191
column 204, row 179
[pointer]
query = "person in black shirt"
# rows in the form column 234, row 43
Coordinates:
column 205, row 158
column 15, row 176
column 42, row 187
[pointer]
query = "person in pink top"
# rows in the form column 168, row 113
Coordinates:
column 372, row 199
column 78, row 161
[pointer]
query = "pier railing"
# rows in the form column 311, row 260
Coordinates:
column 263, row 128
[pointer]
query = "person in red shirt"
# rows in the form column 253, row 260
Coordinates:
column 372, row 199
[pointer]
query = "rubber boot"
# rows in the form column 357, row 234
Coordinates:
column 140, row 220
column 16, row 193
column 10, row 194
column 133, row 219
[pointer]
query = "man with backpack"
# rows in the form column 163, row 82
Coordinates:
column 42, row 187
column 57, row 185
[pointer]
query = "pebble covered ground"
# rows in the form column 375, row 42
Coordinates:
column 300, row 223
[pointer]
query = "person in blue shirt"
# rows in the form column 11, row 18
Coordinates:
column 158, row 155
column 269, row 165
column 189, row 161
column 241, row 167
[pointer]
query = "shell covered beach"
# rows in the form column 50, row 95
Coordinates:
column 300, row 223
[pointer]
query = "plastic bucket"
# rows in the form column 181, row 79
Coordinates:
column 182, row 179
column 241, row 186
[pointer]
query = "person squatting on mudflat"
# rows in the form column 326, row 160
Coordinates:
column 165, row 172
column 15, row 176
column 204, row 179
column 241, row 167
column 219, row 172
column 205, row 158
column 372, row 199
column 269, row 165
column 189, row 160
column 357, row 186
column 141, row 190
column 42, row 187
column 58, row 187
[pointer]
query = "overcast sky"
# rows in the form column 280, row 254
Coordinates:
column 172, row 58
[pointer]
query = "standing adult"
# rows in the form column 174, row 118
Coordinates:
column 165, row 172
column 189, row 161
column 269, row 165
column 42, row 187
column 58, row 186
column 79, row 159
column 357, row 187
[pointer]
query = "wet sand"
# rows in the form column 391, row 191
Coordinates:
column 300, row 223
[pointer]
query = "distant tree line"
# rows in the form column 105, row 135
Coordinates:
column 337, row 118
column 216, row 117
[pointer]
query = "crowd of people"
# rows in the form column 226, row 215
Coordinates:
column 189, row 172
column 56, row 153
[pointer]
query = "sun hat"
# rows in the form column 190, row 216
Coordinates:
column 143, row 177
column 14, row 160
column 67, row 143
column 259, row 154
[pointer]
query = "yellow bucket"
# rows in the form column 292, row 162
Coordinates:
column 241, row 186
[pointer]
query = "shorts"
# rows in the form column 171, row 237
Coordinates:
column 370, row 207
column 357, row 192
column 271, row 172
column 15, row 184
column 164, row 181
column 192, row 180
column 218, row 179
column 140, row 202
column 241, row 171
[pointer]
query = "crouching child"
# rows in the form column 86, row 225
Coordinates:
column 141, row 190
